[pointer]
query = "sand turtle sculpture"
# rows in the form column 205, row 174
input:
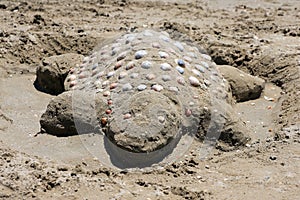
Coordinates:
column 144, row 91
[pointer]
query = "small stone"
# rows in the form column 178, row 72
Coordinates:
column 180, row 80
column 200, row 68
column 134, row 75
column 118, row 64
column 109, row 102
column 130, row 65
column 205, row 56
column 156, row 45
column 207, row 82
column 127, row 87
column 113, row 86
column 122, row 75
column 108, row 111
column 72, row 77
column 188, row 112
column 161, row 119
column 180, row 69
column 165, row 66
column 173, row 89
column 205, row 64
column 103, row 121
column 82, row 75
column 121, row 56
column 179, row 46
column 187, row 58
column 127, row 116
column 141, row 87
column 196, row 72
column 181, row 62
column 163, row 54
column 105, row 84
column 157, row 87
column 73, row 83
column 146, row 64
column 164, row 38
column 139, row 54
column 150, row 77
column 273, row 157
column 110, row 74
column 166, row 77
column 194, row 81
column 106, row 93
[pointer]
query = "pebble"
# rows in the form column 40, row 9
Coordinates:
column 205, row 56
column 164, row 38
column 141, row 87
column 166, row 77
column 205, row 64
column 106, row 93
column 194, row 81
column 187, row 58
column 207, row 82
column 110, row 74
column 181, row 62
column 140, row 54
column 150, row 77
column 72, row 77
column 166, row 66
column 130, row 65
column 82, row 75
column 156, row 45
column 127, row 87
column 105, row 84
column 188, row 112
column 122, row 75
column 95, row 66
column 163, row 54
column 127, row 116
column 118, row 64
column 180, row 80
column 179, row 46
column 109, row 102
column 146, row 64
column 108, row 111
column 200, row 68
column 180, row 69
column 73, row 83
column 161, row 119
column 113, row 85
column 121, row 56
column 103, row 121
column 134, row 75
column 157, row 87
column 196, row 72
column 174, row 89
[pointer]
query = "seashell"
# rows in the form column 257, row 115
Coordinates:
column 200, row 68
column 130, row 65
column 113, row 85
column 134, row 75
column 108, row 111
column 157, row 87
column 122, row 75
column 121, row 56
column 174, row 89
column 110, row 74
column 146, row 64
column 127, row 116
column 205, row 64
column 163, row 54
column 194, row 81
column 118, row 64
column 139, row 54
column 150, row 77
column 179, row 46
column 156, row 45
column 180, row 69
column 141, row 87
column 106, row 93
column 166, row 77
column 180, row 80
column 127, row 87
column 166, row 66
column 181, row 62
column 72, row 77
